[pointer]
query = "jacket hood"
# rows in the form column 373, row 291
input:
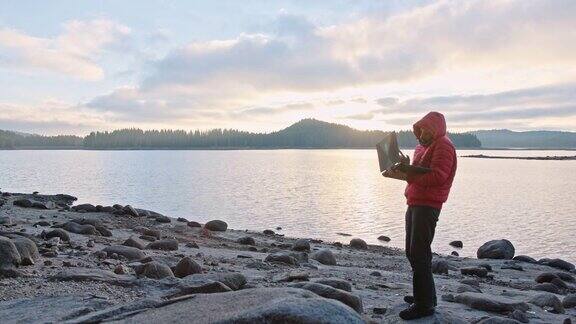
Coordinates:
column 433, row 121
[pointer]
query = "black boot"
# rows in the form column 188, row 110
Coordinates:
column 414, row 312
column 409, row 299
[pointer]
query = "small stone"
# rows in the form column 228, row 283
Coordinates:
column 246, row 240
column 216, row 225
column 376, row 274
column 154, row 270
column 457, row 244
column 324, row 256
column 121, row 269
column 192, row 245
column 58, row 232
column 134, row 242
column 448, row 298
column 384, row 238
column 474, row 271
column 496, row 249
column 379, row 310
column 194, row 224
column 281, row 257
column 439, row 266
column 357, row 243
column 165, row 244
column 268, row 232
column 301, row 245
column 524, row 258
column 454, row 253
column 90, row 243
column 187, row 266
column 129, row 210
column 147, row 238
column 182, row 219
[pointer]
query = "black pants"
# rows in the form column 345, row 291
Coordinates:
column 420, row 227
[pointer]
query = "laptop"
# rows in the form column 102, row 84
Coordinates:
column 389, row 156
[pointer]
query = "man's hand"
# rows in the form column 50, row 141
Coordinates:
column 404, row 159
column 395, row 174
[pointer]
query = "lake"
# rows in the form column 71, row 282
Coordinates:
column 317, row 193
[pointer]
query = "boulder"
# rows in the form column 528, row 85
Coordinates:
column 27, row 249
column 135, row 243
column 165, row 244
column 9, row 256
column 547, row 301
column 186, row 266
column 496, row 249
column 281, row 257
column 301, row 245
column 357, row 243
column 440, row 266
column 88, row 208
column 103, row 231
column 58, row 232
column 163, row 219
column 558, row 264
column 474, row 271
column 566, row 277
column 259, row 305
column 324, row 256
column 246, row 240
column 182, row 220
column 25, row 203
column 194, row 224
column 569, row 301
column 152, row 232
column 490, row 303
column 457, row 244
column 332, row 293
column 76, row 228
column 130, row 253
column 130, row 211
column 524, row 258
column 334, row 283
column 216, row 225
column 548, row 287
column 268, row 232
column 154, row 270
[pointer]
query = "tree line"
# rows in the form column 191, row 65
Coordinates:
column 308, row 133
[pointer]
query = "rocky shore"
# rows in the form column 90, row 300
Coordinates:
column 61, row 262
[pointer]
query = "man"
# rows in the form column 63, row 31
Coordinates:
column 425, row 194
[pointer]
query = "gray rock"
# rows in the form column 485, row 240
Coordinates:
column 9, row 256
column 135, row 243
column 557, row 263
column 440, row 266
column 163, row 219
column 154, row 270
column 357, row 243
column 496, row 249
column 474, row 271
column 524, row 258
column 547, row 301
column 194, row 224
column 335, row 283
column 103, row 231
column 186, row 266
column 547, row 286
column 467, row 288
column 281, row 257
column 151, row 232
column 519, row 316
column 566, row 277
column 25, row 203
column 497, row 320
column 246, row 240
column 27, row 249
column 129, row 210
column 301, row 245
column 50, row 309
column 569, row 301
column 383, row 238
column 6, row 220
column 216, row 225
column 490, row 303
column 457, row 244
column 332, row 293
column 268, row 232
column 260, row 305
column 130, row 253
column 165, row 244
column 90, row 274
column 76, row 228
column 234, row 280
column 88, row 208
column 324, row 256
column 58, row 232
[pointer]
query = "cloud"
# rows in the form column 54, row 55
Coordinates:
column 267, row 111
column 75, row 52
column 365, row 116
column 359, row 100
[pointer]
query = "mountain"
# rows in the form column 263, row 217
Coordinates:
column 307, row 133
column 504, row 138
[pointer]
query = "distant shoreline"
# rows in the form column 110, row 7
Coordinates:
column 68, row 148
column 547, row 158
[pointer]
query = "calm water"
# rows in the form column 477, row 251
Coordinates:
column 317, row 193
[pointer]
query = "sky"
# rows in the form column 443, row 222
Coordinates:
column 72, row 67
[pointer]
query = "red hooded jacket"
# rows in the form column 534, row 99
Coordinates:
column 432, row 188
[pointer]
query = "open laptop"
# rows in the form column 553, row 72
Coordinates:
column 389, row 156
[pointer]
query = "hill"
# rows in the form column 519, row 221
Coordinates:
column 307, row 133
column 504, row 138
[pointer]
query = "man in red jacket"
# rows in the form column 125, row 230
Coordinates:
column 425, row 194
